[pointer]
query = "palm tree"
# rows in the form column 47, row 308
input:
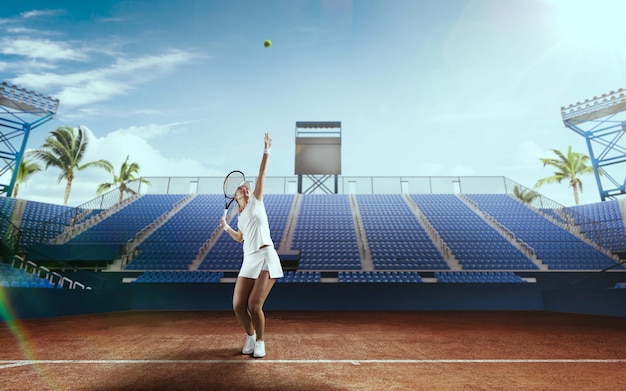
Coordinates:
column 26, row 169
column 569, row 167
column 121, row 181
column 65, row 149
column 527, row 196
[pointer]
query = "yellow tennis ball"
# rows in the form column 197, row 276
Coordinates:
column 267, row 43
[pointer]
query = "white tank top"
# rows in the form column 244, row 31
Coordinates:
column 254, row 225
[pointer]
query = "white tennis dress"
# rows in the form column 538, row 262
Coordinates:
column 255, row 228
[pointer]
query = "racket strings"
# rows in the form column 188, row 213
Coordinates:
column 231, row 184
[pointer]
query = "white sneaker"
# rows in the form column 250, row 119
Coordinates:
column 259, row 349
column 248, row 347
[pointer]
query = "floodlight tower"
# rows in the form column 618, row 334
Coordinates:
column 318, row 154
column 17, row 109
column 602, row 121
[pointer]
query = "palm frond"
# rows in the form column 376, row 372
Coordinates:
column 567, row 166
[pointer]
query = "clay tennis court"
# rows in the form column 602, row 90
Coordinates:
column 310, row 350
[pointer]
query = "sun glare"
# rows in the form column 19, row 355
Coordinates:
column 591, row 25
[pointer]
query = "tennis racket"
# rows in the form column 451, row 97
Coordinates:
column 231, row 184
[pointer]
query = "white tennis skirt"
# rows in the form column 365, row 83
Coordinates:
column 263, row 259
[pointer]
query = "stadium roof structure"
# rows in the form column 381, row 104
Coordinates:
column 602, row 121
column 20, row 112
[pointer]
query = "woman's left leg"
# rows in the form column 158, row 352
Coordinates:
column 241, row 295
column 261, row 289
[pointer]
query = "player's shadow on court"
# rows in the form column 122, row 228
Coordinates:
column 204, row 355
column 182, row 370
column 211, row 369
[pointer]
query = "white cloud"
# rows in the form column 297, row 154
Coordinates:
column 31, row 31
column 153, row 130
column 157, row 62
column 101, row 84
column 144, row 112
column 41, row 48
column 91, row 92
column 20, row 30
column 40, row 13
column 114, row 147
column 112, row 20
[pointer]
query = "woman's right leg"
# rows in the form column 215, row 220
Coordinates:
column 243, row 287
column 256, row 299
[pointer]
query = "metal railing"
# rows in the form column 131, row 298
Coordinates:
column 346, row 185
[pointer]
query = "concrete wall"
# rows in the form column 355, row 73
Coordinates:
column 33, row 303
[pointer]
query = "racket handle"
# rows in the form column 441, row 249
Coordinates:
column 225, row 213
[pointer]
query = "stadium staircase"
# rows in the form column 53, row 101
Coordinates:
column 506, row 233
column 145, row 232
column 290, row 226
column 603, row 223
column 448, row 256
column 473, row 241
column 367, row 263
column 554, row 244
column 18, row 212
column 77, row 227
column 210, row 242
column 568, row 223
column 396, row 238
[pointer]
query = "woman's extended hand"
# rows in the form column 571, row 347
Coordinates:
column 268, row 141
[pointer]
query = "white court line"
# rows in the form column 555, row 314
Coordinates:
column 15, row 363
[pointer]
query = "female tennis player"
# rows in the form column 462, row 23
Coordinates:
column 261, row 264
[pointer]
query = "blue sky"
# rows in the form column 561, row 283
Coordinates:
column 439, row 88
